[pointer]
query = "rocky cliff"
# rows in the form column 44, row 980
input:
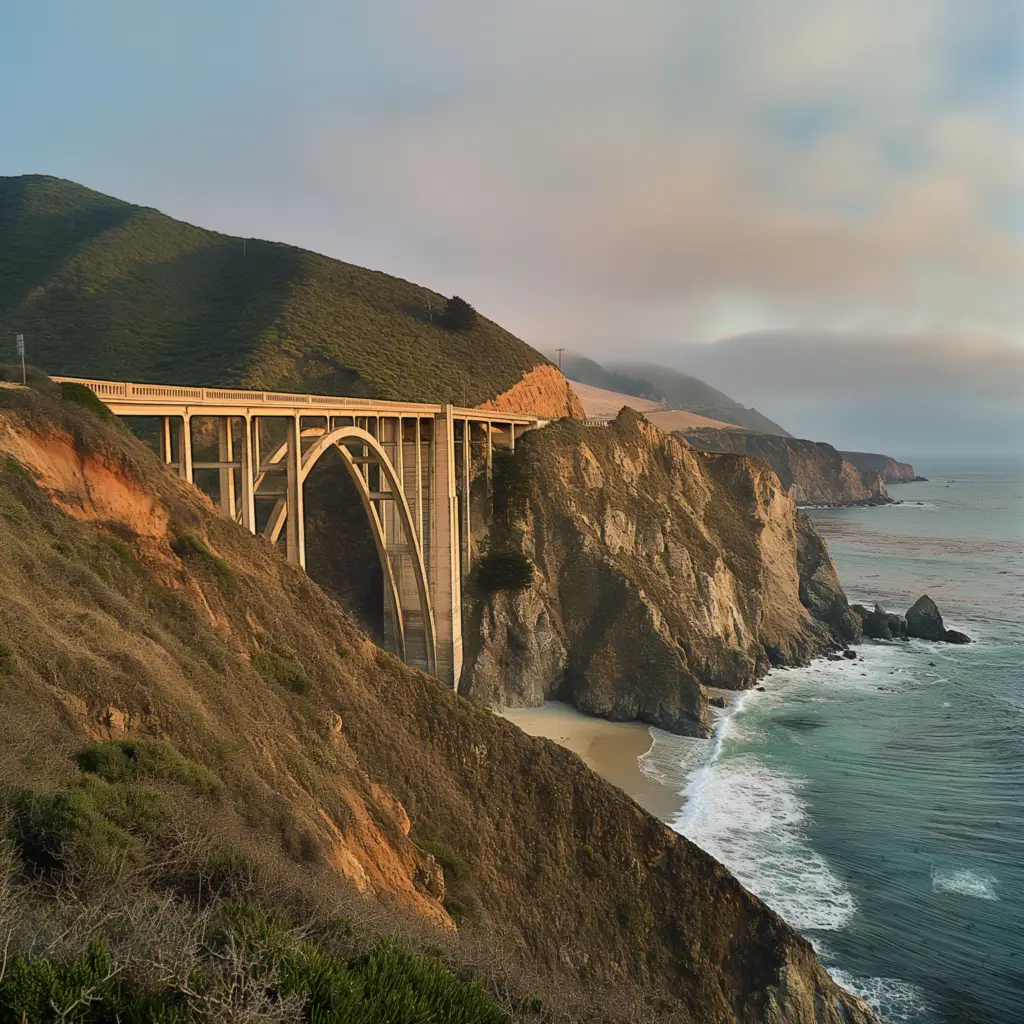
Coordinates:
column 659, row 569
column 892, row 472
column 812, row 472
column 272, row 749
column 542, row 391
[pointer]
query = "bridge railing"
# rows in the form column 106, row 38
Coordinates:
column 125, row 391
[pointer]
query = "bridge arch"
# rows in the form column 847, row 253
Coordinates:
column 339, row 438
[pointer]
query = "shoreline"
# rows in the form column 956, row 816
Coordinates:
column 611, row 749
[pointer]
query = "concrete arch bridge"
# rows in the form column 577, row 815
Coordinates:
column 411, row 464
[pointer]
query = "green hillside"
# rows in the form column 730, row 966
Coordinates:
column 103, row 288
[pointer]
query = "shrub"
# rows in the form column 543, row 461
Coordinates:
column 286, row 672
column 510, row 485
column 458, row 315
column 505, row 570
column 126, row 761
column 188, row 546
column 90, row 822
column 453, row 864
column 84, row 396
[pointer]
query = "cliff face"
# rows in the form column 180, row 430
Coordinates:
column 890, row 470
column 543, row 391
column 336, row 760
column 659, row 568
column 812, row 472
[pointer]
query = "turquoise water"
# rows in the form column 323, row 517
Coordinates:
column 878, row 805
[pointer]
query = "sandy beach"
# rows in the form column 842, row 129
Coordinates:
column 609, row 748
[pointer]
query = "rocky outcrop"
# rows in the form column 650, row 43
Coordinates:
column 813, row 472
column 892, row 472
column 923, row 621
column 660, row 569
column 542, row 391
column 578, row 894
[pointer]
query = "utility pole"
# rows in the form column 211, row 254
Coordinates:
column 19, row 340
column 559, row 351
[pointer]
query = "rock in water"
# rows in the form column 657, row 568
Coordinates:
column 924, row 622
column 880, row 624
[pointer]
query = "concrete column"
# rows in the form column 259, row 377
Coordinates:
column 295, row 528
column 445, row 576
column 185, row 449
column 512, row 436
column 166, row 445
column 418, row 508
column 226, row 453
column 248, row 476
column 490, row 467
column 465, row 526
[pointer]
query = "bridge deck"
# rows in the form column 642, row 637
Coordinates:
column 127, row 399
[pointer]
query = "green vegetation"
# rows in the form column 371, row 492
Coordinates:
column 188, row 546
column 82, row 395
column 286, row 672
column 458, row 315
column 505, row 570
column 510, row 486
column 454, row 866
column 119, row 761
column 101, row 288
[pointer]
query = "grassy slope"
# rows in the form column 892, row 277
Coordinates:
column 287, row 718
column 103, row 288
column 685, row 392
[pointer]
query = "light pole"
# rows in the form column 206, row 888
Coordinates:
column 19, row 340
column 559, row 351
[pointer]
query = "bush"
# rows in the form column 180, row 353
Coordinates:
column 453, row 864
column 505, row 570
column 458, row 315
column 84, row 396
column 510, row 485
column 126, row 761
column 188, row 546
column 287, row 672
column 90, row 822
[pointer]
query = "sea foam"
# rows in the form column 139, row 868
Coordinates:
column 895, row 1001
column 965, row 882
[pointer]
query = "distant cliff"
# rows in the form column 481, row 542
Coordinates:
column 659, row 569
column 892, row 472
column 812, row 472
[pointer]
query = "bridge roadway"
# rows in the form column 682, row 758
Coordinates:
column 412, row 464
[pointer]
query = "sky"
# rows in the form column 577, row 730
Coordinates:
column 766, row 180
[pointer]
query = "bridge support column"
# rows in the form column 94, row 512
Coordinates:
column 295, row 527
column 226, row 453
column 166, row 444
column 248, row 476
column 445, row 571
column 185, row 449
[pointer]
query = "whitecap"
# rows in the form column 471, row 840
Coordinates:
column 965, row 882
column 751, row 819
column 895, row 1001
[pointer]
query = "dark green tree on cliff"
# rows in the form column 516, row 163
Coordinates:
column 458, row 314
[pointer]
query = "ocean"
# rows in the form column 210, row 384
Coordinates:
column 878, row 805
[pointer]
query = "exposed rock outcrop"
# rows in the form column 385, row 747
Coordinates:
column 922, row 621
column 893, row 472
column 660, row 569
column 813, row 472
column 543, row 391
column 566, row 879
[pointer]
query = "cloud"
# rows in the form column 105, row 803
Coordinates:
column 922, row 394
column 589, row 173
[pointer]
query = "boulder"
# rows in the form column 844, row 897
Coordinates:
column 924, row 622
column 880, row 624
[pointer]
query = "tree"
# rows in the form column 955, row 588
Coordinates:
column 458, row 314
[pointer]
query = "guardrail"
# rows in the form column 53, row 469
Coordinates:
column 144, row 394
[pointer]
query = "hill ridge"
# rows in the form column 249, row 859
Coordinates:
column 105, row 288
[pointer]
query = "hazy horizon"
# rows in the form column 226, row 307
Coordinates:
column 825, row 189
